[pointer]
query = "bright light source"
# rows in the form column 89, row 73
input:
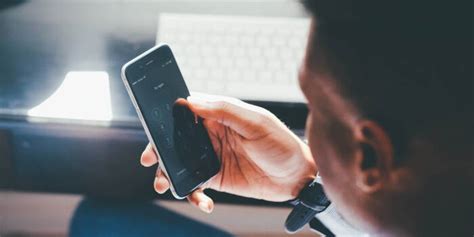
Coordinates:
column 83, row 95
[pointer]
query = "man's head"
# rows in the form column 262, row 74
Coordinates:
column 389, row 89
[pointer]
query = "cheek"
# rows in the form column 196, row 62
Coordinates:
column 310, row 135
column 315, row 141
column 322, row 152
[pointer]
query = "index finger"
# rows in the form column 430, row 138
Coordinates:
column 244, row 118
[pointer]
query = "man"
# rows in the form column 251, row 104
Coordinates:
column 389, row 90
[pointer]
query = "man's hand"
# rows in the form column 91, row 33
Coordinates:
column 260, row 157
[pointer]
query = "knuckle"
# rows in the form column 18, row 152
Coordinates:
column 223, row 110
column 221, row 105
column 261, row 119
column 265, row 112
column 264, row 116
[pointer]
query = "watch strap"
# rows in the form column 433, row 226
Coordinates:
column 311, row 201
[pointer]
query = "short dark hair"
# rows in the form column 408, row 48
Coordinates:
column 405, row 64
column 408, row 66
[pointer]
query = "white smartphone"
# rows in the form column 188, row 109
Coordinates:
column 157, row 89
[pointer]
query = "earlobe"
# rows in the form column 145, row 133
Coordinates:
column 370, row 181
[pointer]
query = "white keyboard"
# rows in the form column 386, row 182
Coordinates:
column 251, row 58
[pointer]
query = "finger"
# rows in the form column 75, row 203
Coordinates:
column 148, row 157
column 245, row 119
column 161, row 183
column 199, row 199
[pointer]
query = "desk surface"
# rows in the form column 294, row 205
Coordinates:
column 18, row 219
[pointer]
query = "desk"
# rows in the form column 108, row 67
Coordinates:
column 18, row 219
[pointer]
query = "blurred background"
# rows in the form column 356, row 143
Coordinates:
column 68, row 130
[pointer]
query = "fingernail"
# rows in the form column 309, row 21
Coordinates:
column 144, row 162
column 155, row 185
column 205, row 207
column 197, row 101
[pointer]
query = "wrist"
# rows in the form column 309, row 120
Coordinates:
column 305, row 171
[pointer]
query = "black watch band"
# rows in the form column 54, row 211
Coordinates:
column 311, row 201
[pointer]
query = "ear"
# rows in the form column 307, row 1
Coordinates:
column 374, row 157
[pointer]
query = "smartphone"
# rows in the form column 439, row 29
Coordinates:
column 157, row 89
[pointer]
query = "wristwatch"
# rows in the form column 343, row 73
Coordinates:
column 311, row 201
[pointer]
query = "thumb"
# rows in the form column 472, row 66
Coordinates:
column 199, row 199
column 246, row 119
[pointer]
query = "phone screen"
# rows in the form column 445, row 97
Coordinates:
column 179, row 136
